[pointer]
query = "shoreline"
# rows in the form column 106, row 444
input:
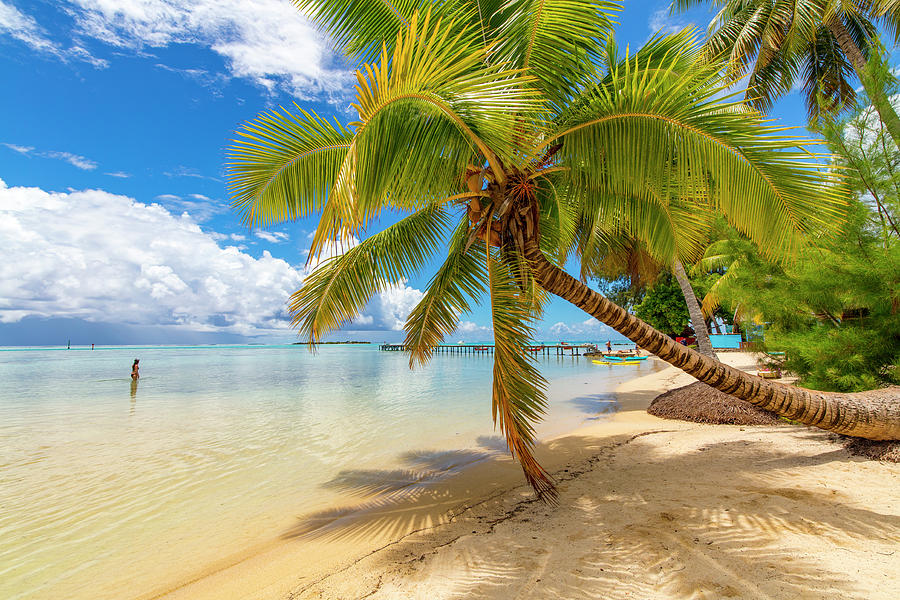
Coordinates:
column 343, row 534
column 448, row 539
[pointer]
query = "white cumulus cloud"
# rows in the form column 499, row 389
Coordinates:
column 389, row 309
column 104, row 257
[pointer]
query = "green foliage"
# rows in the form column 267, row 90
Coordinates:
column 663, row 307
column 621, row 292
column 835, row 311
column 850, row 358
column 794, row 43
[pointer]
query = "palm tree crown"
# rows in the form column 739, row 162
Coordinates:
column 819, row 44
column 513, row 132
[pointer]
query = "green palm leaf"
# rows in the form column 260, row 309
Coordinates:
column 519, row 398
column 360, row 28
column 424, row 115
column 339, row 289
column 459, row 282
column 648, row 131
column 283, row 164
column 555, row 40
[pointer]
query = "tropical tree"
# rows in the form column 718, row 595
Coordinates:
column 512, row 131
column 626, row 258
column 821, row 42
column 844, row 336
column 729, row 256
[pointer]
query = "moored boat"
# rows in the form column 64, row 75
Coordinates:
column 616, row 362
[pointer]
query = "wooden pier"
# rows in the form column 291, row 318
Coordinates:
column 538, row 350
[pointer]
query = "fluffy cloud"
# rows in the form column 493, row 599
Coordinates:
column 389, row 309
column 102, row 257
column 266, row 41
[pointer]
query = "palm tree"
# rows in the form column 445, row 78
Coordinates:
column 508, row 131
column 698, row 319
column 822, row 42
column 622, row 256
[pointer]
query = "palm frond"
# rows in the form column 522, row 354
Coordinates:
column 646, row 130
column 519, row 399
column 283, row 164
column 558, row 220
column 555, row 40
column 360, row 28
column 712, row 299
column 339, row 289
column 424, row 115
column 827, row 77
column 667, row 55
column 459, row 282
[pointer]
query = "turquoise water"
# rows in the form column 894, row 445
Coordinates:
column 218, row 448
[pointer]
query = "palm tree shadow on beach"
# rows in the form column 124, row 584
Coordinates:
column 639, row 540
column 597, row 405
column 398, row 501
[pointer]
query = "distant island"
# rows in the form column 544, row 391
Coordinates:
column 317, row 343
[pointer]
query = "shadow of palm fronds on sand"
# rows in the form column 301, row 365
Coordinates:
column 735, row 516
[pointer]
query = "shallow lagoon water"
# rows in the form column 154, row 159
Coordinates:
column 107, row 490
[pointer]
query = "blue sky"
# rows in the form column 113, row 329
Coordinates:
column 115, row 216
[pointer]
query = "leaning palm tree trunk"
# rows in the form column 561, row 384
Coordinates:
column 873, row 415
column 697, row 320
column 870, row 83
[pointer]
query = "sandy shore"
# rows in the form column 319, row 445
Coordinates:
column 648, row 509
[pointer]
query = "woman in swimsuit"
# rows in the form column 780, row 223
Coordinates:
column 134, row 370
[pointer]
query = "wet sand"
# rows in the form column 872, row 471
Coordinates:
column 648, row 509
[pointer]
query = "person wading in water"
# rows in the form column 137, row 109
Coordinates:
column 134, row 370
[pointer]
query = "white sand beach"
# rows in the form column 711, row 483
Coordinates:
column 648, row 508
